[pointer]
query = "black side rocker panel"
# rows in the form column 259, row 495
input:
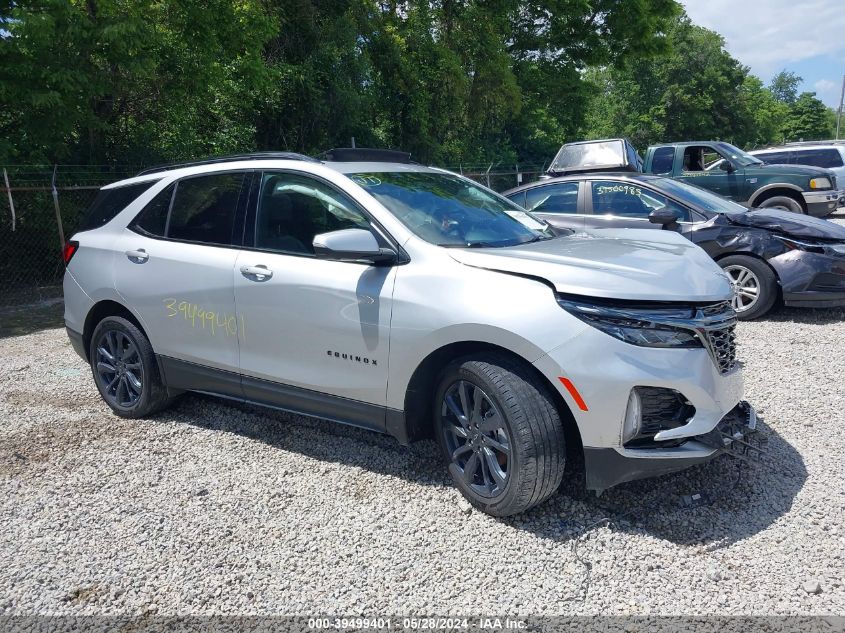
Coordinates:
column 180, row 375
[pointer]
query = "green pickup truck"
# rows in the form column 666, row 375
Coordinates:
column 714, row 165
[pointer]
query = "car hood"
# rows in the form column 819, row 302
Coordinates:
column 791, row 224
column 790, row 170
column 630, row 264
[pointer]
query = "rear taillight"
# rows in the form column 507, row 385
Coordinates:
column 69, row 251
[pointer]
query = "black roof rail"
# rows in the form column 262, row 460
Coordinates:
column 228, row 159
column 365, row 154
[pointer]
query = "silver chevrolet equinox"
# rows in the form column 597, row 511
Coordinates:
column 373, row 291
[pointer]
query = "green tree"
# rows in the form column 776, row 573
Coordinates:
column 808, row 119
column 696, row 91
column 784, row 87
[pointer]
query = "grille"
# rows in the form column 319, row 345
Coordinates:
column 721, row 344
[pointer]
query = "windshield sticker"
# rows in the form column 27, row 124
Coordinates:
column 365, row 181
column 526, row 219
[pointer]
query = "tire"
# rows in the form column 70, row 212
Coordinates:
column 125, row 369
column 783, row 202
column 749, row 272
column 516, row 412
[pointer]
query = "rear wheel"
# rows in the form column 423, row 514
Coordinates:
column 125, row 369
column 500, row 433
column 782, row 202
column 755, row 288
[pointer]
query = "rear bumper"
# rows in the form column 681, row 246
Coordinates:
column 821, row 203
column 736, row 435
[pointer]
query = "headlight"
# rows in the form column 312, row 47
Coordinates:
column 820, row 183
column 646, row 327
column 837, row 248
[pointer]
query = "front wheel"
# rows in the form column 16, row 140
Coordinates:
column 500, row 433
column 125, row 369
column 754, row 285
column 782, row 202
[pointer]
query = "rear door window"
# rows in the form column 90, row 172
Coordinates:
column 774, row 158
column 110, row 202
column 558, row 198
column 204, row 208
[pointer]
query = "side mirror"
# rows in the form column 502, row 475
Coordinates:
column 727, row 166
column 352, row 245
column 664, row 216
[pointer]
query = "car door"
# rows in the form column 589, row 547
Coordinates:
column 174, row 268
column 627, row 204
column 315, row 332
column 705, row 166
column 556, row 203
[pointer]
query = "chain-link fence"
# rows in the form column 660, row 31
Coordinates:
column 39, row 208
column 500, row 176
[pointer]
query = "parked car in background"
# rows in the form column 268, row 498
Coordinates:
column 768, row 254
column 412, row 301
column 719, row 167
column 825, row 154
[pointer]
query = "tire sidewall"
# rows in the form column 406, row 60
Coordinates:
column 142, row 406
column 452, row 374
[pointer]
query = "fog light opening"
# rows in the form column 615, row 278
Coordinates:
column 633, row 417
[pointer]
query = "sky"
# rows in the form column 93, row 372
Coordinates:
column 806, row 37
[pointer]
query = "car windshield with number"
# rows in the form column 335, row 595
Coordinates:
column 451, row 211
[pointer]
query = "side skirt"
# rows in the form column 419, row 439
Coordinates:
column 180, row 375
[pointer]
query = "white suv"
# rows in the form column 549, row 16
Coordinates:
column 405, row 299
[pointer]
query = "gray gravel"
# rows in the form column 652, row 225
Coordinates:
column 217, row 508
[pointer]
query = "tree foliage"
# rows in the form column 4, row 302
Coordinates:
column 698, row 90
column 138, row 81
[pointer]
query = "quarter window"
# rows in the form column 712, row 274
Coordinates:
column 204, row 208
column 559, row 198
column 631, row 200
column 293, row 209
column 819, row 158
column 110, row 202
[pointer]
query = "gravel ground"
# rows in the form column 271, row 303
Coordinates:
column 214, row 508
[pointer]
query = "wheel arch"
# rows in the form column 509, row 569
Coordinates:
column 100, row 311
column 423, row 383
column 777, row 189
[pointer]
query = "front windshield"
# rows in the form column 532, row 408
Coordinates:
column 448, row 210
column 700, row 197
column 738, row 156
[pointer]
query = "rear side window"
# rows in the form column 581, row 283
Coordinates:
column 661, row 162
column 774, row 158
column 204, row 208
column 819, row 157
column 559, row 198
column 110, row 202
column 153, row 218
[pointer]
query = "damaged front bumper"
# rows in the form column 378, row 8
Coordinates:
column 736, row 435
